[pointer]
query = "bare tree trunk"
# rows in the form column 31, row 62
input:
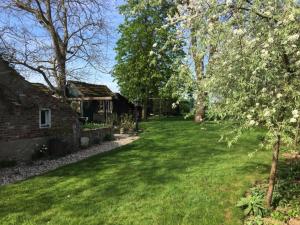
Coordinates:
column 273, row 172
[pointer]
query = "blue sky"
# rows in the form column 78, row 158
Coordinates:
column 97, row 77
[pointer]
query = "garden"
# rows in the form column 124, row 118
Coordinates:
column 177, row 173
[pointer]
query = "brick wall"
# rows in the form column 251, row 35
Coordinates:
column 20, row 103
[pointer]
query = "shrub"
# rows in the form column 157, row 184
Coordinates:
column 253, row 205
column 92, row 126
column 127, row 122
column 108, row 137
column 57, row 147
column 41, row 151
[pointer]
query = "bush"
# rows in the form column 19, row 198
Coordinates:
column 57, row 147
column 41, row 151
column 253, row 205
column 127, row 122
column 108, row 137
column 92, row 126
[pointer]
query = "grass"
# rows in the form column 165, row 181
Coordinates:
column 176, row 173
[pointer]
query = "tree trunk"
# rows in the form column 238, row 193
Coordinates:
column 199, row 70
column 145, row 109
column 273, row 172
column 200, row 108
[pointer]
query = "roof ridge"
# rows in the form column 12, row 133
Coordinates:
column 82, row 82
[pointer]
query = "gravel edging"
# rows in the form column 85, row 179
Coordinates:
column 23, row 171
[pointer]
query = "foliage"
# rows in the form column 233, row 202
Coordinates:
column 92, row 125
column 58, row 147
column 145, row 58
column 286, row 195
column 127, row 122
column 252, row 205
column 254, row 220
column 40, row 151
column 54, row 39
column 175, row 173
column 108, row 137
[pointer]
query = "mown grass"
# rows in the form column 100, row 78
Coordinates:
column 176, row 173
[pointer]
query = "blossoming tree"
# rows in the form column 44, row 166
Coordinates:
column 254, row 71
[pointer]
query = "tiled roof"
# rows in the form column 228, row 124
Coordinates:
column 43, row 88
column 89, row 90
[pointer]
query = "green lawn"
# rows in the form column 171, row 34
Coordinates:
column 176, row 173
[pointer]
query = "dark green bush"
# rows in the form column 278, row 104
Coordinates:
column 108, row 137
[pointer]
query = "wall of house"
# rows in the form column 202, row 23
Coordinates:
column 19, row 117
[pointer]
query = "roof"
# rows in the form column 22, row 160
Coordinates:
column 43, row 88
column 88, row 90
column 15, row 91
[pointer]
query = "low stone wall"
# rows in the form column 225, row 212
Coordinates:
column 96, row 136
column 23, row 149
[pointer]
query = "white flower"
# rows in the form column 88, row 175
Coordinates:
column 279, row 95
column 229, row 2
column 270, row 40
column 252, row 122
column 154, row 45
column 264, row 90
column 257, row 104
column 239, row 31
column 267, row 113
column 249, row 116
column 295, row 112
column 264, row 53
column 151, row 53
column 293, row 37
column 293, row 120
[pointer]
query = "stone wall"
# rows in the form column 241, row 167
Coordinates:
column 96, row 136
column 20, row 104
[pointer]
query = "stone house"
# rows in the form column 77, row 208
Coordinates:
column 29, row 117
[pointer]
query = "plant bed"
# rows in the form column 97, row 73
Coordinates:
column 286, row 198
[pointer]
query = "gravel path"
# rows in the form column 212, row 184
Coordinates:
column 24, row 171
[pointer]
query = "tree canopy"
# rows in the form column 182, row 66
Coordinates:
column 146, row 59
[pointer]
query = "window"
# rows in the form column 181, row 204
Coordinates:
column 45, row 118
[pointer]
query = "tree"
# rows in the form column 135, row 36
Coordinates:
column 53, row 38
column 146, row 59
column 254, row 71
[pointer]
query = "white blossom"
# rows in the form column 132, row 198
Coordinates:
column 279, row 95
column 252, row 122
column 267, row 113
column 293, row 120
column 293, row 37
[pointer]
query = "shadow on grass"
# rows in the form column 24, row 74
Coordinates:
column 167, row 152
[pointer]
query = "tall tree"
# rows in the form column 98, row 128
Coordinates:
column 255, row 67
column 146, row 59
column 53, row 38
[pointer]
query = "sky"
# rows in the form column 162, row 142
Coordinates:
column 97, row 77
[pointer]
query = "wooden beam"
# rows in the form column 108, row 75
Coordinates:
column 89, row 98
